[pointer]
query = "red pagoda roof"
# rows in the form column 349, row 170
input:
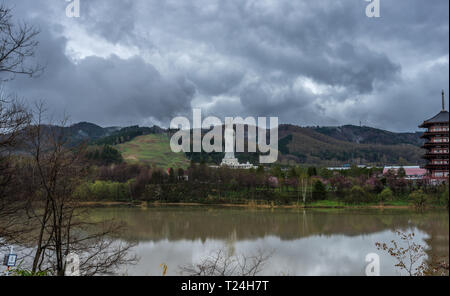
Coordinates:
column 442, row 117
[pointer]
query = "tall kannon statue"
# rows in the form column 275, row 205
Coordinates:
column 230, row 160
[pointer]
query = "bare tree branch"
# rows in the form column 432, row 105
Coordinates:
column 17, row 45
column 220, row 263
column 54, row 170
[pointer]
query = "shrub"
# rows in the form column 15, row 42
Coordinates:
column 28, row 273
column 356, row 195
column 374, row 185
column 386, row 195
column 445, row 197
column 419, row 198
column 104, row 190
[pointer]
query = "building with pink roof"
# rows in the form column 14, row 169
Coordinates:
column 412, row 172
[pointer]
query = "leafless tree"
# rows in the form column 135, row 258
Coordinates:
column 411, row 256
column 49, row 217
column 14, row 117
column 17, row 45
column 221, row 263
column 52, row 174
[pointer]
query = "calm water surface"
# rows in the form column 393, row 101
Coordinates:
column 303, row 242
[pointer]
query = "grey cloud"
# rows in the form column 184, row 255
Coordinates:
column 103, row 90
column 112, row 20
column 263, row 99
column 192, row 51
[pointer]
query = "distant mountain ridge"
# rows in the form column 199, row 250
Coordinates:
column 348, row 133
column 313, row 146
column 370, row 135
column 324, row 146
column 88, row 131
column 95, row 134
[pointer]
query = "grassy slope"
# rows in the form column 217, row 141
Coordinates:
column 152, row 149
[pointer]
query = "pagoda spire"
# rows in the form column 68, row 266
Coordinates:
column 443, row 100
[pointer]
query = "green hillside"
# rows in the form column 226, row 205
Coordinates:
column 369, row 135
column 305, row 145
column 318, row 146
column 152, row 149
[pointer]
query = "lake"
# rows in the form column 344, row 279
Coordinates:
column 301, row 242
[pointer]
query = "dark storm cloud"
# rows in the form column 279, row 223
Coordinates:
column 102, row 90
column 308, row 62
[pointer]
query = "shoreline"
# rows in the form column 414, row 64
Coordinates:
column 143, row 204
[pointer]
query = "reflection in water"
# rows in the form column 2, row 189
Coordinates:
column 305, row 242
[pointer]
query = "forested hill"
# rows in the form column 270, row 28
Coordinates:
column 94, row 134
column 298, row 145
column 369, row 135
column 308, row 145
column 347, row 133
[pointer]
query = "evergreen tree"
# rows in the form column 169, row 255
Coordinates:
column 319, row 190
column 312, row 171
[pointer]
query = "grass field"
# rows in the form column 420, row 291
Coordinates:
column 152, row 149
column 334, row 203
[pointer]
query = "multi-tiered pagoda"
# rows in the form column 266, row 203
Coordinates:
column 437, row 136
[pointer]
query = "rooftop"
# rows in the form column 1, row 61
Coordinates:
column 409, row 170
column 442, row 117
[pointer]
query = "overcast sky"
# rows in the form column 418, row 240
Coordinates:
column 321, row 62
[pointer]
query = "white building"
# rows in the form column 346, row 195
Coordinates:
column 230, row 160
